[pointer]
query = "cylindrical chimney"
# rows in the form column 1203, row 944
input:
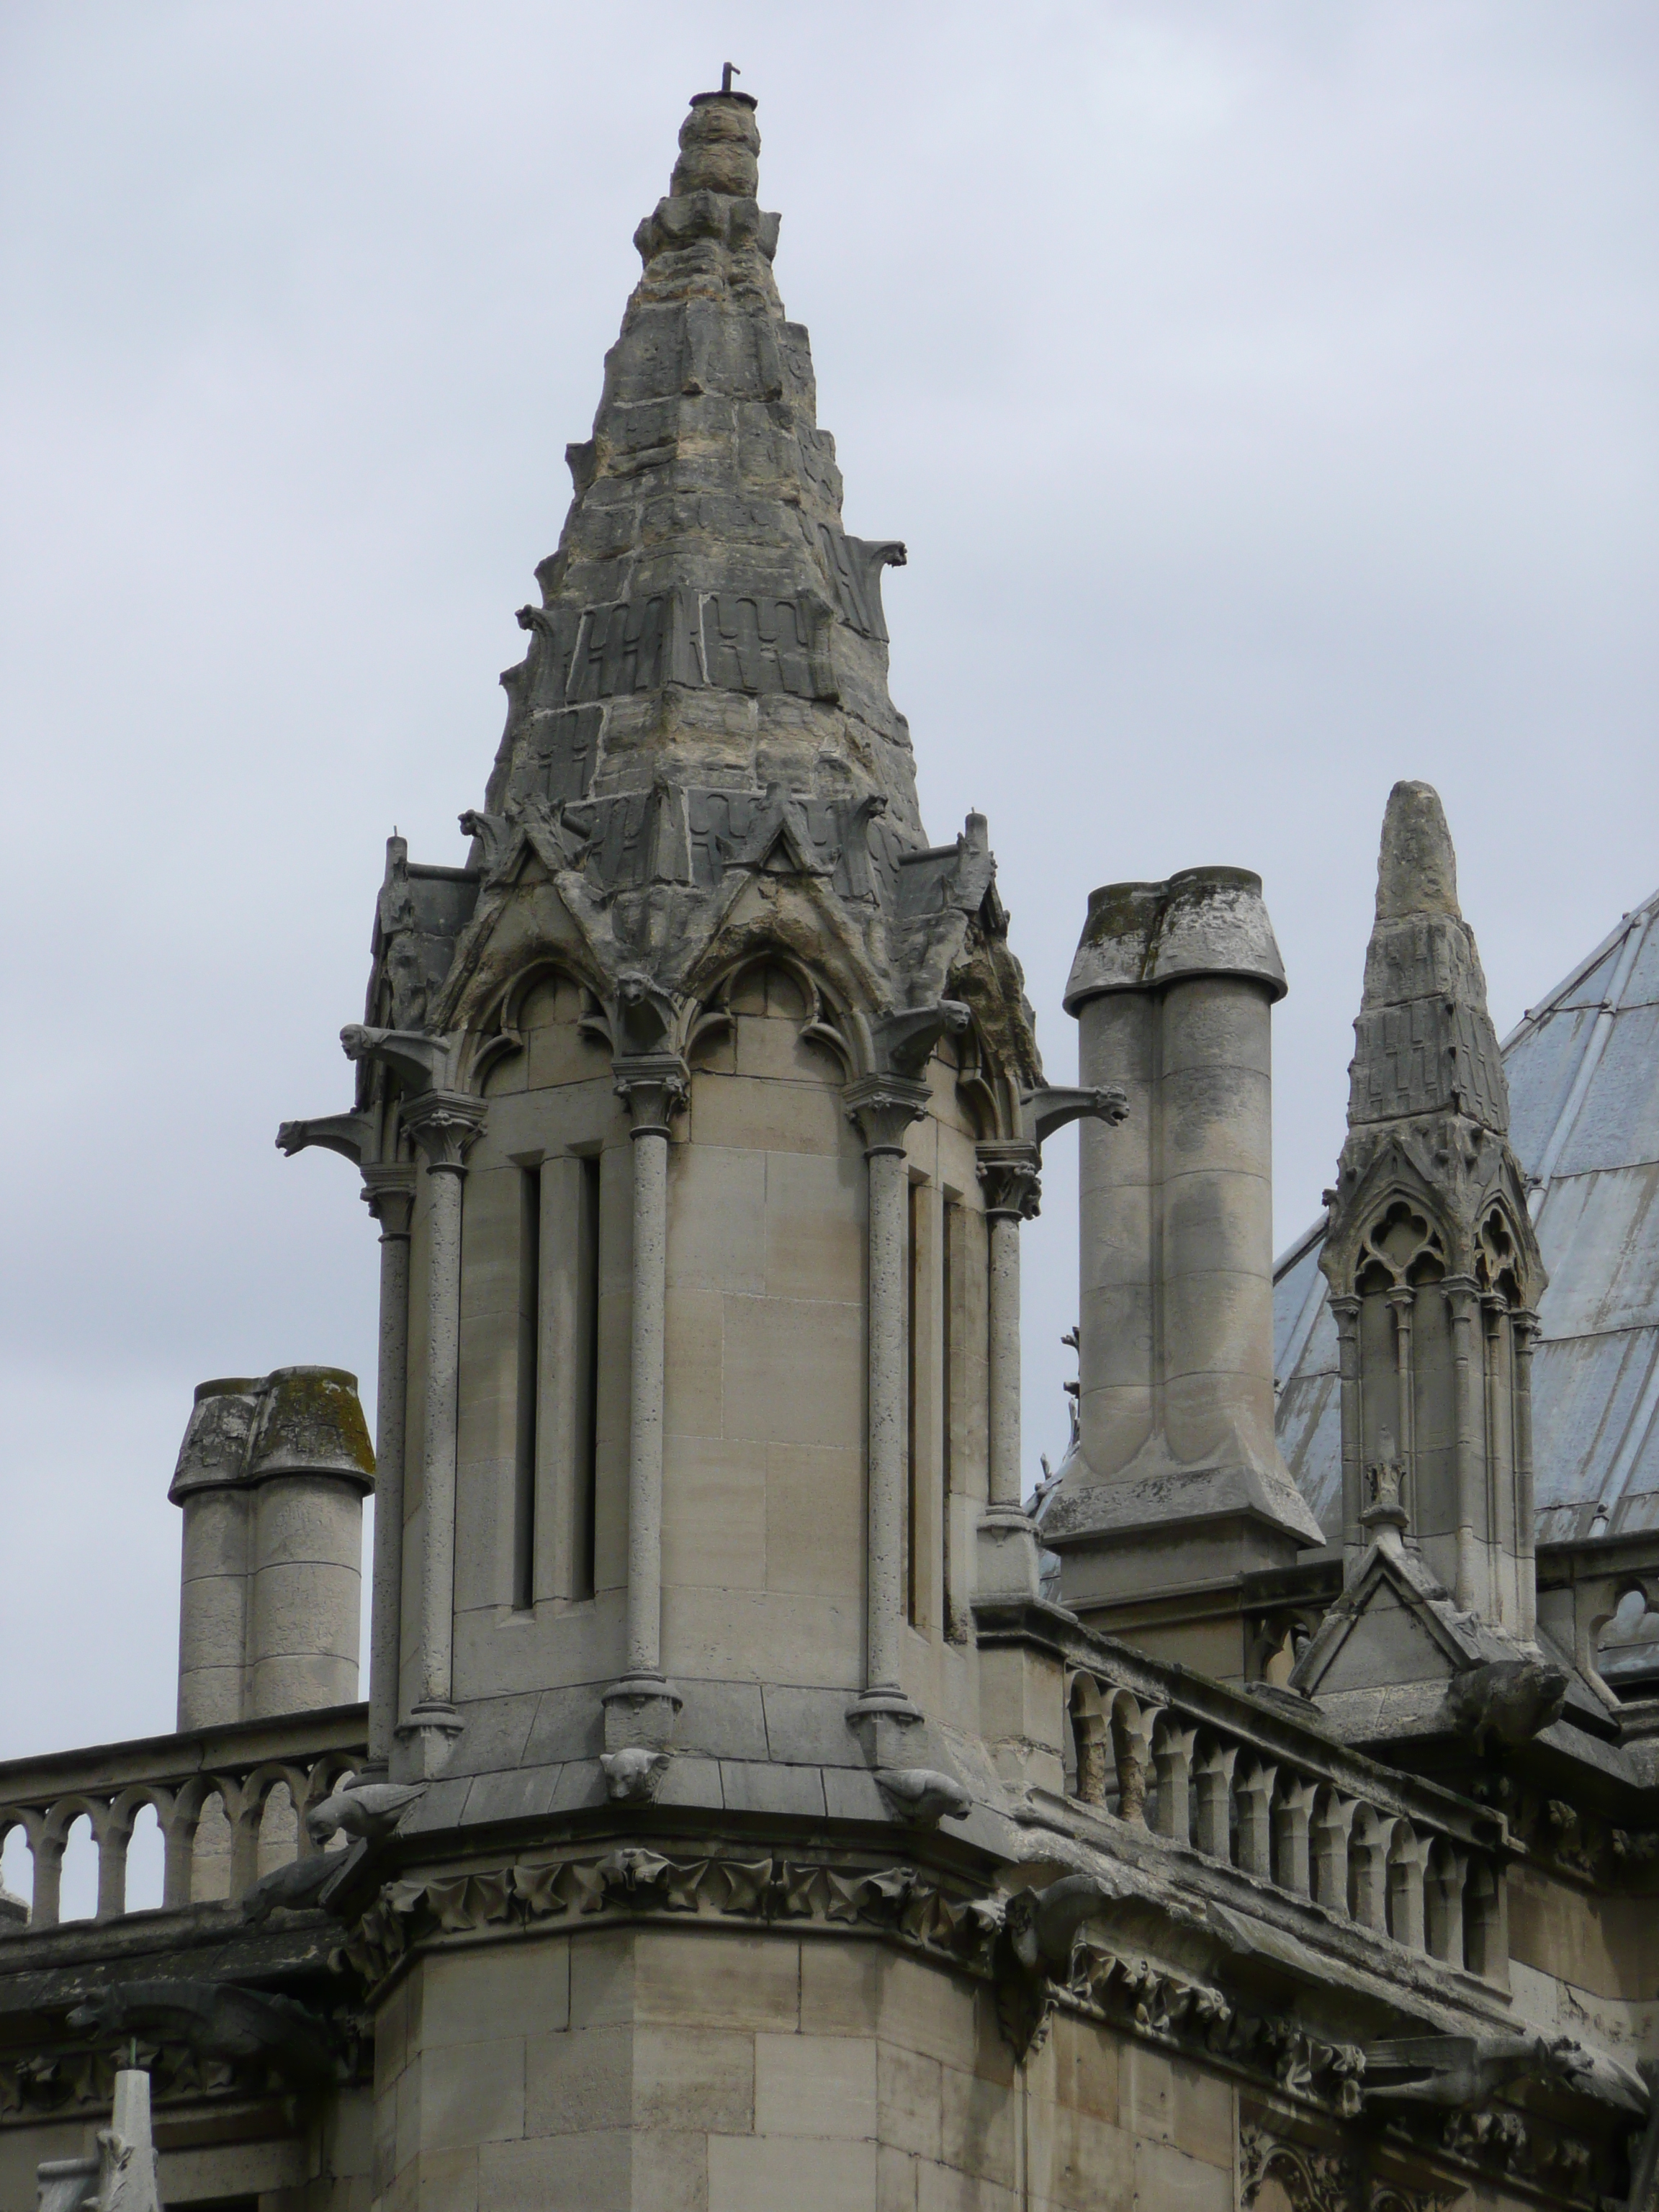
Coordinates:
column 1177, row 1476
column 311, row 1465
column 271, row 1478
column 207, row 1484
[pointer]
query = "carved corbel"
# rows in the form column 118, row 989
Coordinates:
column 351, row 1135
column 424, row 1062
column 1042, row 1112
column 904, row 1041
column 643, row 1020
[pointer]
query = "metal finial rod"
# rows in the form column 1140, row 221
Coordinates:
column 727, row 72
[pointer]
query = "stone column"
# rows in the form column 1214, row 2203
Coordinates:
column 1462, row 1295
column 1007, row 1561
column 639, row 1709
column 1400, row 1302
column 445, row 1124
column 1494, row 1311
column 1524, row 1330
column 389, row 1194
column 1345, row 1312
column 883, row 1107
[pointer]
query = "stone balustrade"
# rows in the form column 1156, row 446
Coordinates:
column 230, row 1803
column 1237, row 1780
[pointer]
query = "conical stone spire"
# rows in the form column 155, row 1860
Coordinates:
column 705, row 694
column 705, row 613
column 1425, row 1040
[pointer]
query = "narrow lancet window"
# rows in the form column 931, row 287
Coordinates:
column 585, row 1487
column 529, row 1376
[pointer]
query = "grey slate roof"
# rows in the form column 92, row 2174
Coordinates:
column 1583, row 1079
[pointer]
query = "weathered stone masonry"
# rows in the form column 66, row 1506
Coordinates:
column 756, row 1801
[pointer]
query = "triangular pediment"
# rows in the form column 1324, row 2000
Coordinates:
column 1392, row 1627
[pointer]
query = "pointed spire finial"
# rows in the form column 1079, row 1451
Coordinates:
column 1423, row 1041
column 1416, row 867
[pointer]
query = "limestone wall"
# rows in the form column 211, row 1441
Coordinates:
column 765, row 1506
column 746, row 2073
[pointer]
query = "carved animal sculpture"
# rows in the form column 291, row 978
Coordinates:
column 1043, row 1924
column 633, row 1776
column 368, row 1811
column 294, row 1887
column 918, row 1794
column 216, row 2021
column 1507, row 1702
column 1460, row 2073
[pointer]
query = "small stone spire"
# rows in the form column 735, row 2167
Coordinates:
column 1424, row 1041
column 1434, row 1269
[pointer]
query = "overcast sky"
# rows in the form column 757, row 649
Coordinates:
column 1265, row 392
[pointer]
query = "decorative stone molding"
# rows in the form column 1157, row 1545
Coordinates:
column 63, row 2080
column 1010, row 1174
column 1313, row 2180
column 655, row 1086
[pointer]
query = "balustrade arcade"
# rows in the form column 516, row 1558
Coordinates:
column 212, row 1791
column 1405, row 1860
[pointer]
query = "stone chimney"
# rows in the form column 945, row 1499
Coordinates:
column 1434, row 1269
column 271, row 1476
column 1177, row 1485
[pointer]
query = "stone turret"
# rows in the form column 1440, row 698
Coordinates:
column 1433, row 1266
column 699, row 1111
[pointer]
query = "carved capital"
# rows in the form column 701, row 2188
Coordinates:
column 656, row 1085
column 1526, row 1324
column 1013, row 1186
column 882, row 1108
column 389, row 1194
column 446, row 1125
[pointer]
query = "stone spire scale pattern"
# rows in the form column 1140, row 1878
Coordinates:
column 704, row 698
